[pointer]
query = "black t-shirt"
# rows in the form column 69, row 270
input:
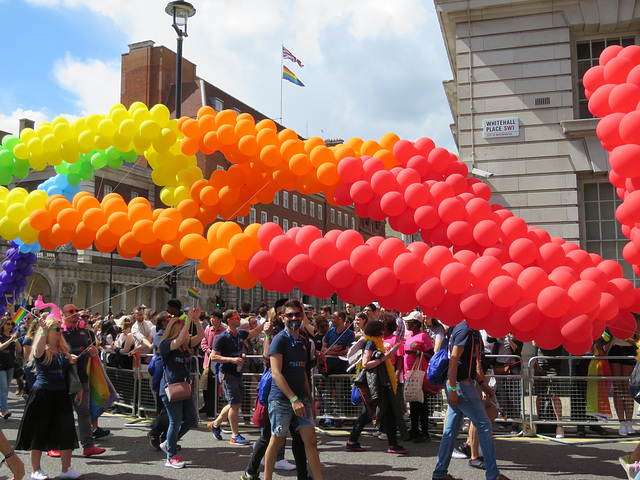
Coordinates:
column 54, row 375
column 546, row 364
column 175, row 363
column 294, row 364
column 230, row 346
column 79, row 339
column 462, row 335
column 8, row 355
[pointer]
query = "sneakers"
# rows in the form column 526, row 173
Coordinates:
column 93, row 451
column 354, row 446
column 215, row 431
column 559, row 432
column 625, row 461
column 382, row 436
column 239, row 440
column 163, row 446
column 6, row 414
column 174, row 462
column 54, row 453
column 477, row 463
column 284, row 464
column 246, row 476
column 462, row 451
column 623, row 429
column 399, row 449
column 100, row 432
column 154, row 441
column 39, row 475
column 630, row 430
column 70, row 473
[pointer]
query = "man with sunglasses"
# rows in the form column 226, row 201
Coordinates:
column 228, row 351
column 290, row 401
column 83, row 345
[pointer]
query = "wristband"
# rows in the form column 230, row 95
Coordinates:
column 9, row 455
column 43, row 334
column 187, row 324
column 267, row 335
column 293, row 400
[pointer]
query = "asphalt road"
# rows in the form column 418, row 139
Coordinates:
column 129, row 456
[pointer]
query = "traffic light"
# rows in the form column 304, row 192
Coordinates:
column 171, row 282
column 168, row 281
column 334, row 298
column 218, row 301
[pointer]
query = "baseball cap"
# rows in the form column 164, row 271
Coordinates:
column 414, row 316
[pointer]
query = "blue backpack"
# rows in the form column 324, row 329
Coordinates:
column 264, row 388
column 439, row 365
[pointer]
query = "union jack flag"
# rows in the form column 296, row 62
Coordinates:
column 289, row 56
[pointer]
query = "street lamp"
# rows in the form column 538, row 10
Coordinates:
column 180, row 11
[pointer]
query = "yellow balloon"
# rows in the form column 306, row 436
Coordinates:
column 69, row 151
column 182, row 193
column 128, row 128
column 27, row 134
column 140, row 116
column 63, row 131
column 21, row 151
column 136, row 106
column 160, row 114
column 150, row 129
column 102, row 142
column 8, row 229
column 17, row 212
column 167, row 197
column 119, row 115
column 107, row 127
column 196, row 172
column 185, row 178
column 37, row 199
column 35, row 146
column 3, row 208
column 27, row 233
column 93, row 121
column 16, row 195
column 44, row 129
column 86, row 141
column 51, row 143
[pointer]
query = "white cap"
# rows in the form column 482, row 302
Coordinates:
column 414, row 316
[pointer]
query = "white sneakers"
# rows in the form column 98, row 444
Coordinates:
column 559, row 432
column 70, row 473
column 283, row 464
column 626, row 429
column 39, row 475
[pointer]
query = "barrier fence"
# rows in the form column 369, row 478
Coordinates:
column 529, row 396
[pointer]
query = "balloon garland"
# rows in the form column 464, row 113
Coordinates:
column 485, row 264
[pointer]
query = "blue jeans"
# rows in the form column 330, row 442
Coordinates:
column 470, row 405
column 5, row 381
column 182, row 417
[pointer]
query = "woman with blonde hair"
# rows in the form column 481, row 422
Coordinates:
column 47, row 422
column 175, row 349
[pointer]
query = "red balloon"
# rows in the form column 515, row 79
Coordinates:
column 460, row 233
column 283, row 249
column 404, row 150
column 553, row 302
column 440, row 191
column 407, row 178
column 612, row 51
column 548, row 335
column 306, row 236
column 550, row 256
column 342, row 194
column 599, row 101
column 372, row 165
column 458, row 182
column 485, row 269
column 357, row 293
column 317, row 286
column 436, row 258
column 383, row 182
column 466, row 257
column 364, row 259
column 503, row 291
column 424, row 146
column 262, row 264
column 382, row 282
column 389, row 250
column 341, row 274
column 532, row 280
column 525, row 315
column 323, row 252
column 624, row 326
column 448, row 312
column 580, row 348
column 585, row 295
column 617, row 69
column 486, row 233
column 347, row 241
column 512, row 229
column 268, row 232
column 563, row 277
column 361, row 191
column 475, row 304
column 402, row 299
column 429, row 291
column 451, row 209
column 300, row 268
column 409, row 268
column 594, row 78
column 417, row 195
column 623, row 290
column 420, row 164
column 523, row 251
column 439, row 159
column 629, row 128
column 623, row 99
column 624, row 160
column 478, row 209
column 350, row 169
column 393, row 204
column 278, row 281
column 501, row 252
column 575, row 327
column 496, row 323
column 456, row 277
column 608, row 307
column 426, row 217
column 406, row 223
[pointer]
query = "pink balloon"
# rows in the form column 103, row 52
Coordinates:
column 404, row 150
column 350, row 169
column 371, row 166
column 524, row 315
column 503, row 291
column 474, row 303
column 300, row 268
column 408, row 177
column 323, row 252
column 409, row 268
column 553, row 302
column 342, row 195
column 364, row 259
column 283, row 249
column 262, row 264
column 268, row 232
column 317, row 286
column 382, row 282
column 456, row 277
column 341, row 274
column 420, row 164
column 429, row 291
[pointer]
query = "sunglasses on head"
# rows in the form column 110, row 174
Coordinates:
column 56, row 329
column 293, row 315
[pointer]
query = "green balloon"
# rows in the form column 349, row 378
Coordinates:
column 86, row 175
column 10, row 142
column 113, row 153
column 98, row 161
column 115, row 164
column 74, row 168
column 130, row 156
column 20, row 168
column 5, row 176
column 74, row 179
column 6, row 158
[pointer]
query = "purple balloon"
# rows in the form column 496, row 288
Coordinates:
column 20, row 263
column 27, row 271
column 21, row 284
column 16, row 275
column 31, row 258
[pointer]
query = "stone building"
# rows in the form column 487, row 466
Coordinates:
column 521, row 117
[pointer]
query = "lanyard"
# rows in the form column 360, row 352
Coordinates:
column 291, row 338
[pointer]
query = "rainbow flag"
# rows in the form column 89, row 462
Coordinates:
column 193, row 293
column 289, row 75
column 101, row 390
column 19, row 315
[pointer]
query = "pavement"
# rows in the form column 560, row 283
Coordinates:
column 129, row 456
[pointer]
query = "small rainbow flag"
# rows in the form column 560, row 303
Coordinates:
column 193, row 293
column 19, row 315
column 101, row 390
column 289, row 75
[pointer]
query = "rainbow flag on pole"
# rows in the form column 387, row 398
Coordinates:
column 19, row 315
column 101, row 390
column 193, row 293
column 289, row 75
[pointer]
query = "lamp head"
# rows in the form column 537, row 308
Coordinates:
column 180, row 11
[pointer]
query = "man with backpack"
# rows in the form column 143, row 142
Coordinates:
column 465, row 373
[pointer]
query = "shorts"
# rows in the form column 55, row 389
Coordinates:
column 547, row 386
column 620, row 351
column 233, row 388
column 282, row 417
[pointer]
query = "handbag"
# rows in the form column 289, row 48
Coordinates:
column 74, row 384
column 204, row 379
column 413, row 383
column 502, row 369
column 177, row 392
column 260, row 414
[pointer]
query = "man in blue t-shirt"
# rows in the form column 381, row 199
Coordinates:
column 228, row 351
column 290, row 400
column 465, row 371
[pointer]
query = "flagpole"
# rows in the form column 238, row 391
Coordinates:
column 281, row 65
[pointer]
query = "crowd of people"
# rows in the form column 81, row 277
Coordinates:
column 48, row 350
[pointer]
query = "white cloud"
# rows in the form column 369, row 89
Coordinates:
column 11, row 123
column 94, row 84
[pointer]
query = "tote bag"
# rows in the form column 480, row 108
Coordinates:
column 413, row 383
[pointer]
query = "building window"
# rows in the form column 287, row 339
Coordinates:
column 295, row 224
column 219, row 167
column 312, row 209
column 587, row 55
column 134, row 195
column 276, row 198
column 217, row 104
column 276, row 219
column 603, row 234
column 263, row 217
column 339, row 218
column 285, row 199
column 252, row 215
column 319, row 212
column 285, row 225
column 353, row 223
column 106, row 189
column 346, row 220
column 241, row 220
column 295, row 203
column 333, row 215
column 303, row 206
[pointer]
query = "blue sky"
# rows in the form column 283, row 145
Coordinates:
column 371, row 67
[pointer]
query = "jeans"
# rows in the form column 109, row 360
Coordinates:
column 5, row 382
column 182, row 417
column 470, row 405
column 361, row 422
column 85, row 429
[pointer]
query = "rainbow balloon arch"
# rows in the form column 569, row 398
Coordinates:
column 484, row 264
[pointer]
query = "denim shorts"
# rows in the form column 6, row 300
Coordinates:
column 233, row 389
column 282, row 417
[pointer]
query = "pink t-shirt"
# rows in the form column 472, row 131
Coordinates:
column 389, row 342
column 421, row 342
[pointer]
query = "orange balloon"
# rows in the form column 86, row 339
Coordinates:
column 226, row 135
column 266, row 124
column 119, row 223
column 355, row 143
column 248, row 145
column 226, row 117
column 190, row 225
column 195, row 247
column 328, row 174
column 321, row 155
column 243, row 246
column 51, row 199
column 369, row 147
column 291, row 147
column 388, row 140
column 139, row 201
column 165, row 229
column 270, row 156
column 287, row 134
column 124, row 253
column 69, row 218
column 245, row 126
column 85, row 203
column 218, row 178
column 205, row 274
column 171, row 213
column 128, row 244
column 196, row 187
column 387, row 158
column 207, row 215
column 311, row 143
column 226, row 231
column 138, row 212
column 207, row 123
column 209, row 195
column 61, row 236
column 190, row 146
column 157, row 212
column 210, row 141
column 229, row 195
column 343, row 151
column 241, row 277
column 106, row 236
column 113, row 205
column 94, row 218
column 212, row 234
column 83, row 237
column 191, row 129
column 221, row 262
column 188, row 208
column 172, row 254
column 206, row 110
column 252, row 230
column 79, row 196
column 40, row 219
column 59, row 204
column 150, row 255
column 142, row 231
column 110, row 196
column 266, row 137
column 311, row 183
column 281, row 175
column 45, row 241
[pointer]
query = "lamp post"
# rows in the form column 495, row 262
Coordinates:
column 180, row 11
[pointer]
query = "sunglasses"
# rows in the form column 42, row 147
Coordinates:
column 56, row 329
column 293, row 315
column 71, row 311
column 85, row 316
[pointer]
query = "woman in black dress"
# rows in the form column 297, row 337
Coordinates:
column 47, row 422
